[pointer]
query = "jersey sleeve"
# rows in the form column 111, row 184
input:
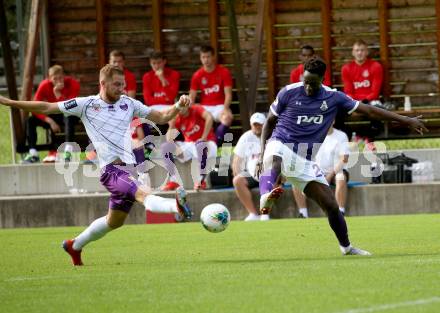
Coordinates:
column 295, row 74
column 140, row 110
column 347, row 81
column 195, row 81
column 346, row 103
column 278, row 106
column 130, row 81
column 343, row 146
column 240, row 148
column 227, row 78
column 73, row 106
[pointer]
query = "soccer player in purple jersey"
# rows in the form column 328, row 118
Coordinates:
column 107, row 118
column 297, row 123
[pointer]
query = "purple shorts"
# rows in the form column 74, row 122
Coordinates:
column 122, row 184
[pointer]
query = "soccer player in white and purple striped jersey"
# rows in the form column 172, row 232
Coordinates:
column 107, row 117
column 297, row 124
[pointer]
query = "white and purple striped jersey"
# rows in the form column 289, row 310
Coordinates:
column 107, row 124
column 303, row 121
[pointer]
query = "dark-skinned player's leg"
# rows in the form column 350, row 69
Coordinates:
column 270, row 189
column 323, row 195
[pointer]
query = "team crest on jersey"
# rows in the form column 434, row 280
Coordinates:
column 124, row 107
column 324, row 106
column 68, row 105
column 204, row 81
column 96, row 107
column 365, row 73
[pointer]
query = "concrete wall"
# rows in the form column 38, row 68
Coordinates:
column 69, row 210
column 37, row 179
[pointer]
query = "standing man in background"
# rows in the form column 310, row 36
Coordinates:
column 215, row 83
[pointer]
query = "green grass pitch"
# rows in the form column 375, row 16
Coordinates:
column 278, row 266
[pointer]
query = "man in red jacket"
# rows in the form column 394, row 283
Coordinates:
column 296, row 75
column 362, row 77
column 362, row 80
column 57, row 87
column 117, row 58
column 215, row 84
column 160, row 85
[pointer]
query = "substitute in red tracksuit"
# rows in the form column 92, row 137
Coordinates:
column 57, row 87
column 296, row 75
column 362, row 77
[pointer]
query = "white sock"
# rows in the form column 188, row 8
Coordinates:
column 160, row 205
column 342, row 210
column 33, row 152
column 304, row 212
column 95, row 231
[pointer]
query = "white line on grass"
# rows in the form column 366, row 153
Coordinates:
column 392, row 306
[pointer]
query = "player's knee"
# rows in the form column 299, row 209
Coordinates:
column 226, row 119
column 238, row 181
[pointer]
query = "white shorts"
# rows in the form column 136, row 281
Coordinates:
column 189, row 150
column 161, row 107
column 298, row 170
column 215, row 110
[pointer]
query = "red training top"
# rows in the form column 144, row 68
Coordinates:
column 193, row 125
column 45, row 92
column 362, row 81
column 130, row 81
column 155, row 93
column 296, row 75
column 212, row 84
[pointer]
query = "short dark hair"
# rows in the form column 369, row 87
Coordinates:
column 117, row 53
column 206, row 48
column 156, row 55
column 315, row 65
column 308, row 47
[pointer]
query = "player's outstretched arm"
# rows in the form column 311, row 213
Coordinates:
column 32, row 106
column 379, row 114
column 166, row 116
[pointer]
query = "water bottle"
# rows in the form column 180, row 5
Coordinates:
column 407, row 104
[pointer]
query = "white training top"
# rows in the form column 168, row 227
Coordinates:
column 249, row 148
column 331, row 150
column 107, row 124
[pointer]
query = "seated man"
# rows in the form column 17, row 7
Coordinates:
column 297, row 74
column 195, row 124
column 215, row 83
column 362, row 80
column 246, row 155
column 57, row 87
column 332, row 158
column 362, row 77
column 160, row 87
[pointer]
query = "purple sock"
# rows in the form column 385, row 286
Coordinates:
column 167, row 150
column 146, row 129
column 220, row 132
column 139, row 155
column 339, row 226
column 202, row 154
column 267, row 180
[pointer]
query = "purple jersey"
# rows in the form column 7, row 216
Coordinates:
column 304, row 121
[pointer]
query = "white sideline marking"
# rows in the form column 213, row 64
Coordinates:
column 392, row 306
column 51, row 277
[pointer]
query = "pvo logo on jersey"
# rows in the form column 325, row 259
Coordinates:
column 317, row 119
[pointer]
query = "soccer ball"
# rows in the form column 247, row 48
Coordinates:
column 215, row 217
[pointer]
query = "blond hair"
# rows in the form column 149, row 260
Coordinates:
column 55, row 70
column 106, row 73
